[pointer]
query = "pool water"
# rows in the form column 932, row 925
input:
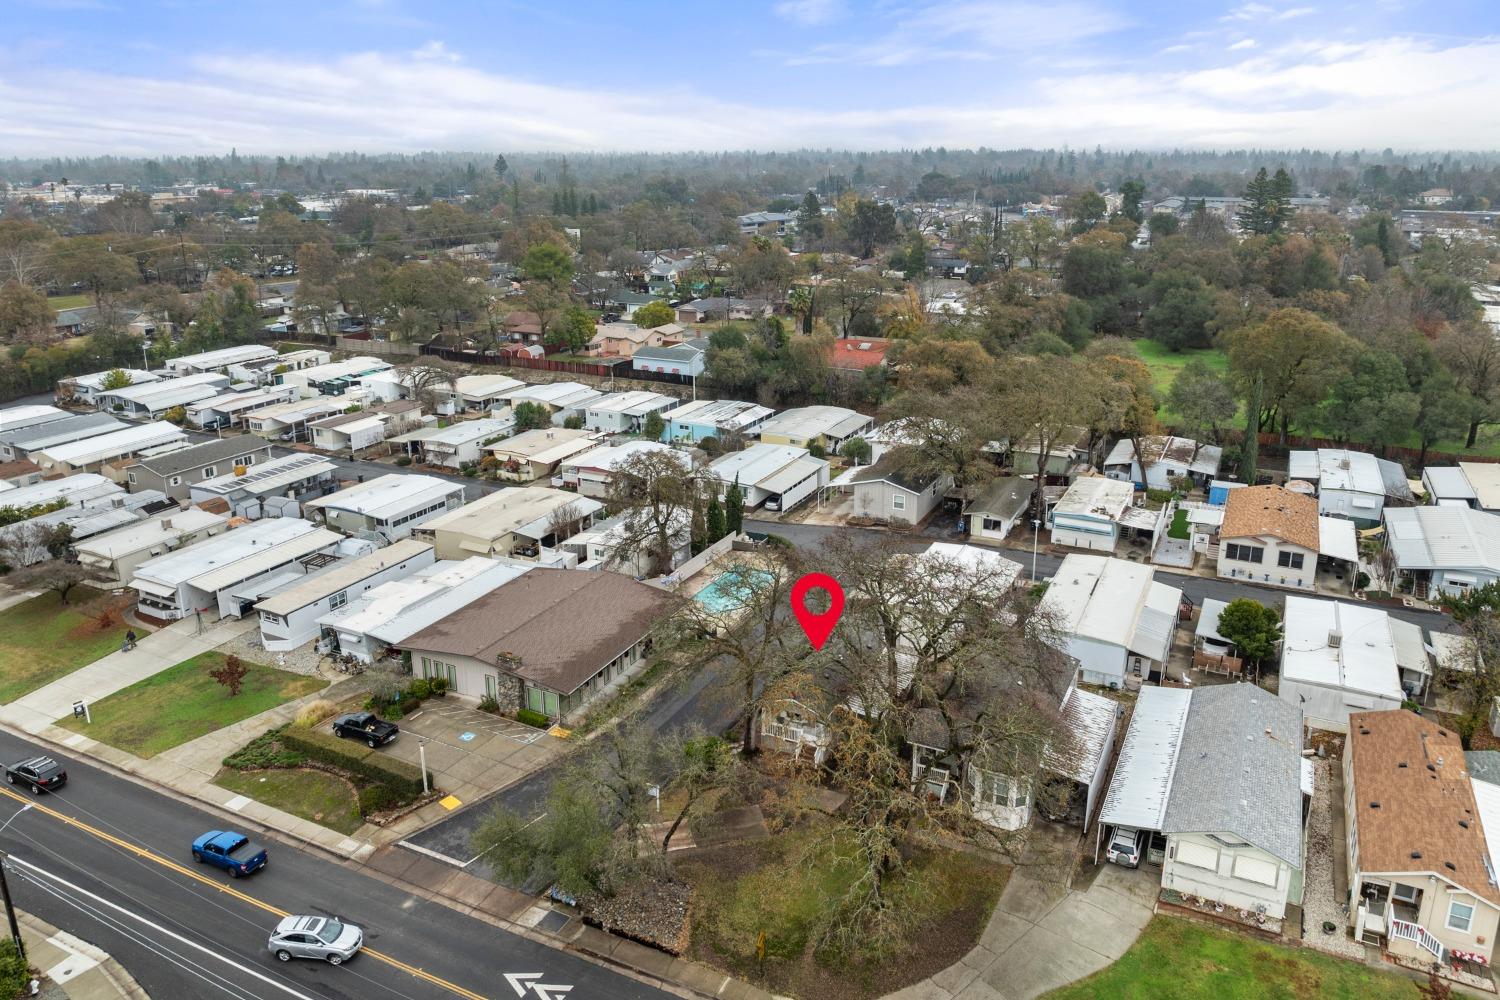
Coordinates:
column 730, row 590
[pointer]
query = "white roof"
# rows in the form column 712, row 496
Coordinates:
column 1096, row 496
column 16, row 417
column 807, row 422
column 77, row 489
column 1448, row 482
column 107, row 446
column 1153, row 630
column 545, row 446
column 114, row 544
column 171, row 392
column 299, row 409
column 95, row 380
column 791, row 475
column 223, row 357
column 729, row 414
column 348, row 368
column 1336, row 538
column 354, row 426
column 399, row 608
column 607, row 458
column 253, row 399
column 268, row 477
column 485, row 385
column 1100, row 597
column 1142, row 782
column 1484, row 477
column 1338, row 469
column 1208, row 620
column 388, row 496
column 1162, row 447
column 471, row 430
column 1444, row 538
column 976, row 558
column 1364, row 660
column 227, row 559
column 39, row 437
column 540, row 527
column 635, row 403
column 505, row 511
column 341, row 576
column 755, row 463
column 1487, row 798
column 556, row 394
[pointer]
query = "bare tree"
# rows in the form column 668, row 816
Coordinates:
column 428, row 381
column 54, row 574
column 653, row 491
column 566, row 521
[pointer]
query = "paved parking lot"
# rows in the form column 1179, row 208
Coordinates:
column 472, row 754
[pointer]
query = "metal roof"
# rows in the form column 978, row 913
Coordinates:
column 755, row 463
column 226, row 559
column 1100, row 597
column 1337, row 538
column 791, row 475
column 113, row 445
column 807, row 422
column 55, row 432
column 721, row 414
column 1090, row 718
column 1444, row 538
column 399, row 608
column 267, row 477
column 608, row 457
column 505, row 511
column 223, row 357
column 170, row 392
column 557, row 394
column 635, row 403
column 389, row 495
column 1096, row 496
column 1484, row 477
column 1142, row 782
column 156, row 531
column 75, row 489
column 1448, row 482
column 1239, row 770
column 1364, row 658
column 470, row 430
column 341, row 576
column 15, row 418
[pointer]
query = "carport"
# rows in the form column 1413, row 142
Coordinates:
column 1142, row 782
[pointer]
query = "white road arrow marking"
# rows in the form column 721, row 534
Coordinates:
column 519, row 981
column 549, row 991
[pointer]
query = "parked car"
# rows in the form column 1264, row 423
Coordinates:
column 326, row 938
column 1126, row 847
column 230, row 851
column 37, row 772
column 365, row 726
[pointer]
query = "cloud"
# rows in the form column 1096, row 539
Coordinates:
column 1264, row 12
column 1243, row 43
column 811, row 12
column 1316, row 93
column 437, row 52
column 970, row 30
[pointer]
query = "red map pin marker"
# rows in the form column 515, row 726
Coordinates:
column 818, row 627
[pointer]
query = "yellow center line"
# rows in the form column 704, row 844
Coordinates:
column 171, row 865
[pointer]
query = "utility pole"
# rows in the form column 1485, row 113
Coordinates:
column 10, row 911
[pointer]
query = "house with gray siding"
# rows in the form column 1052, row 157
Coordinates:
column 175, row 472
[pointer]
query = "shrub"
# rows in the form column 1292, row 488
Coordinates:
column 438, row 686
column 470, row 472
column 231, row 674
column 393, row 711
column 489, row 704
column 419, row 689
column 315, row 712
column 265, row 751
column 14, row 972
column 376, row 798
column 404, row 779
column 403, row 461
column 534, row 719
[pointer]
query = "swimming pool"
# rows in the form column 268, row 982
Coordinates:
column 730, row 590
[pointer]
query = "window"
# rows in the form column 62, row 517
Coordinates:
column 1291, row 560
column 1405, row 894
column 990, row 524
column 492, row 686
column 1460, row 915
column 1245, row 553
column 209, row 471
column 245, row 460
column 175, row 481
column 1198, row 855
column 898, row 502
column 338, row 600
column 131, row 477
column 1255, row 870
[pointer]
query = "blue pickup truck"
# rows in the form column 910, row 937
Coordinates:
column 231, row 851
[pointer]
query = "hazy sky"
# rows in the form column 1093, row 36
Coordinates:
column 190, row 76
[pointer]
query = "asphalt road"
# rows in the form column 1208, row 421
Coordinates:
column 109, row 860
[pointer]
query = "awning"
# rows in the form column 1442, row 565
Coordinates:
column 147, row 587
column 1336, row 539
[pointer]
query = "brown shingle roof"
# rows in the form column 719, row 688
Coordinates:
column 1271, row 510
column 1423, row 804
column 563, row 624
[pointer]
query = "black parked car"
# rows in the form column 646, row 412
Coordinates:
column 365, row 726
column 38, row 772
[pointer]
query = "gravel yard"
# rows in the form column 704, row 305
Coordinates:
column 302, row 660
column 1320, row 902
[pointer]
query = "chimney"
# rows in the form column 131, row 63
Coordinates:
column 166, row 524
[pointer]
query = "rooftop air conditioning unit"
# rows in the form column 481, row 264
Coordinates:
column 1335, row 639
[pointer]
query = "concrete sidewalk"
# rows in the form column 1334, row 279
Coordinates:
column 154, row 653
column 73, row 969
column 189, row 768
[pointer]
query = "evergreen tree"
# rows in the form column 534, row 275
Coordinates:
column 1268, row 202
column 501, row 167
column 698, row 531
column 715, row 521
column 810, row 216
column 1250, row 447
column 734, row 508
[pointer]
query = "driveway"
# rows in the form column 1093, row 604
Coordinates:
column 1043, row 935
column 472, row 754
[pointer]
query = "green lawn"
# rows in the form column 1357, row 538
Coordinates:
column 1164, row 364
column 40, row 640
column 182, row 703
column 1178, row 960
column 313, row 795
column 61, row 302
column 1179, row 527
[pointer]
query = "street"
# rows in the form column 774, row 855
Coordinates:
column 108, row 860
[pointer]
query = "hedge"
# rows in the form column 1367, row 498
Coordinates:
column 404, row 779
column 534, row 719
